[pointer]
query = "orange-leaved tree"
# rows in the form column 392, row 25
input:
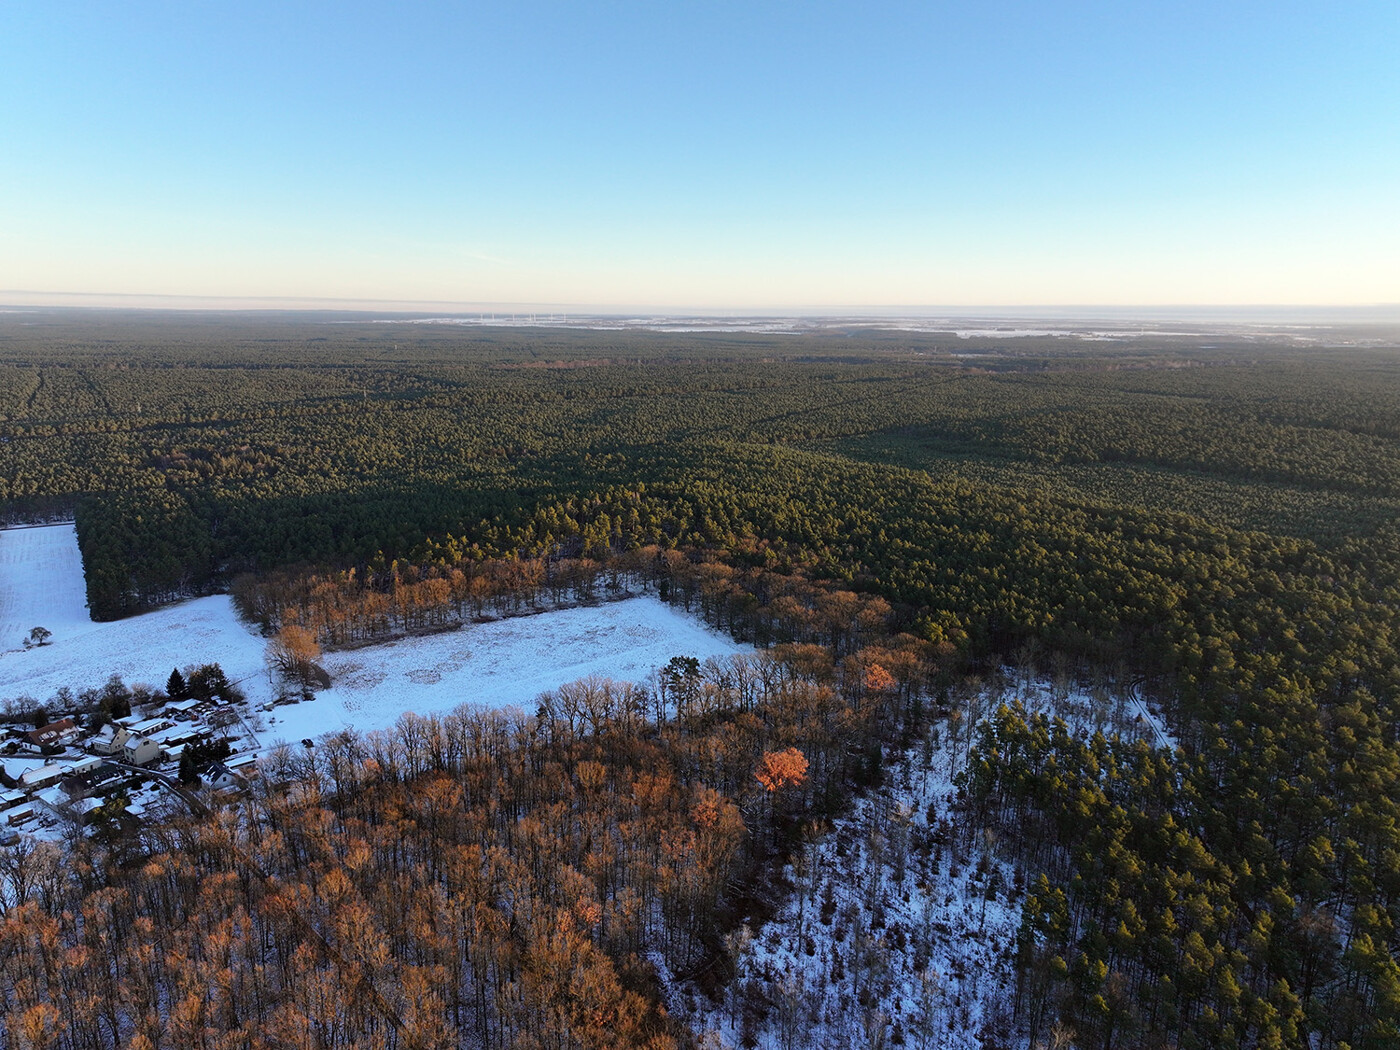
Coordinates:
column 780, row 769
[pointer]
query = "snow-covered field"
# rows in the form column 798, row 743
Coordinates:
column 41, row 584
column 142, row 649
column 499, row 664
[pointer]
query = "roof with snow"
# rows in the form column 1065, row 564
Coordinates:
column 51, row 732
column 53, row 797
column 43, row 774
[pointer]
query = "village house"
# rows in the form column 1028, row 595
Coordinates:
column 110, row 740
column 184, row 734
column 184, row 709
column 92, row 777
column 221, row 778
column 43, row 776
column 51, row 734
column 245, row 765
column 52, row 799
column 61, row 804
column 139, row 751
column 151, row 725
column 83, row 766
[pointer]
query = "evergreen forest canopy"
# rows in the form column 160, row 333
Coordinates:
column 1218, row 522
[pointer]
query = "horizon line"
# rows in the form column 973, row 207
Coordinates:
column 28, row 299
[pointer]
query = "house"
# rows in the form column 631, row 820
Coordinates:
column 183, row 709
column 221, row 778
column 58, row 802
column 54, row 799
column 179, row 735
column 43, row 776
column 245, row 765
column 90, row 776
column 140, row 751
column 110, row 740
column 19, row 814
column 52, row 733
column 151, row 725
column 11, row 799
column 82, row 809
column 84, row 766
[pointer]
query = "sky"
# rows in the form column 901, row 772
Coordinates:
column 706, row 155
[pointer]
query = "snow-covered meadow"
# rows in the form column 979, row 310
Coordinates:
column 498, row 664
column 41, row 584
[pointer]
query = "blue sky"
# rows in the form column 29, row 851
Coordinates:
column 705, row 155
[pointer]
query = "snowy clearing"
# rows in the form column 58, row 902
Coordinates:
column 142, row 649
column 500, row 664
column 41, row 584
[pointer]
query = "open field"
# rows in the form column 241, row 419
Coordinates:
column 503, row 663
column 41, row 584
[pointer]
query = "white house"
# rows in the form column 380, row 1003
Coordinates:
column 140, row 752
column 110, row 740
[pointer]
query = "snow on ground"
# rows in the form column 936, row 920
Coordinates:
column 504, row 663
column 1086, row 709
column 41, row 584
column 498, row 664
column 899, row 931
column 900, row 926
column 142, row 649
